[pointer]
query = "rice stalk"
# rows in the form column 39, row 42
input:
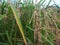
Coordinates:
column 19, row 23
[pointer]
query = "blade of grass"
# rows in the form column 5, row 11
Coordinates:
column 29, row 41
column 19, row 23
column 2, row 16
column 30, row 28
column 41, row 35
column 48, row 3
column 47, row 40
column 41, row 3
column 9, row 39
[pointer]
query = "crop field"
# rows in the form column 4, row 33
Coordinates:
column 26, row 23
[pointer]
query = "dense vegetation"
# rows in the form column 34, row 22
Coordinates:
column 29, row 24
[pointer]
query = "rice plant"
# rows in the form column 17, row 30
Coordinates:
column 29, row 23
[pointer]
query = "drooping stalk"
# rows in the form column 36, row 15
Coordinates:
column 37, row 25
column 56, row 29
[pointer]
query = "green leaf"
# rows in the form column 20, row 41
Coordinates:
column 2, row 16
column 18, row 21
